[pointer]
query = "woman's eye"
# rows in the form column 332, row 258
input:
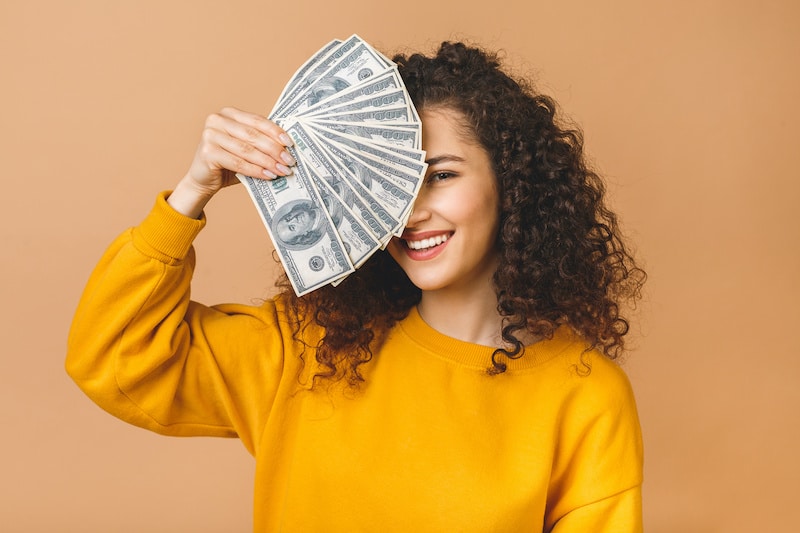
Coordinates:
column 439, row 176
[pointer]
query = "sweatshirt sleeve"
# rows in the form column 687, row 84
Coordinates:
column 144, row 352
column 597, row 473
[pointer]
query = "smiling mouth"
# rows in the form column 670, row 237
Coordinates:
column 424, row 244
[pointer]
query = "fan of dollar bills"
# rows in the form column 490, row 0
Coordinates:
column 359, row 164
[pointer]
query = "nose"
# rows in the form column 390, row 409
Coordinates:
column 419, row 211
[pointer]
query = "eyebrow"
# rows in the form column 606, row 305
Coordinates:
column 444, row 158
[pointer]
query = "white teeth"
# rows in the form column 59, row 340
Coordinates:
column 426, row 243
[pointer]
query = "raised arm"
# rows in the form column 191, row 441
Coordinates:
column 140, row 348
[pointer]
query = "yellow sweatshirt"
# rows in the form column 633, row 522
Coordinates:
column 430, row 443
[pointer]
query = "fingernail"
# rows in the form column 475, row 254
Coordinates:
column 285, row 139
column 288, row 159
column 269, row 174
column 283, row 169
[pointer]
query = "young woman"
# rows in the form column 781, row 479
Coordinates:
column 460, row 381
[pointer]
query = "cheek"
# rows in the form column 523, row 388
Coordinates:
column 481, row 211
column 487, row 221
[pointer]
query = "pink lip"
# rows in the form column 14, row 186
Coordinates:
column 428, row 253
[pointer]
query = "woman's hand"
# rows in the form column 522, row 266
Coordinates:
column 232, row 141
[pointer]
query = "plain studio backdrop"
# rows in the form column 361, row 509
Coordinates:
column 690, row 110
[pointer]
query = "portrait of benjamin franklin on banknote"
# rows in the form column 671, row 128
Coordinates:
column 298, row 225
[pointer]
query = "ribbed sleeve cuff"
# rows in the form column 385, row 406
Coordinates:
column 166, row 232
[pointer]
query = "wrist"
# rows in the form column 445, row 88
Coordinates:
column 188, row 199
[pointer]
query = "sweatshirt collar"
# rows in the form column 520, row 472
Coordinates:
column 479, row 356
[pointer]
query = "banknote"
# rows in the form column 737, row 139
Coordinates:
column 405, row 136
column 301, row 73
column 389, row 115
column 301, row 230
column 372, row 185
column 357, row 142
column 355, row 139
column 392, row 99
column 377, row 85
column 369, row 206
column 375, row 219
column 347, row 68
column 398, row 168
column 300, row 83
column 358, row 239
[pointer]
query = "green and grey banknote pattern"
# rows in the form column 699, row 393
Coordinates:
column 357, row 142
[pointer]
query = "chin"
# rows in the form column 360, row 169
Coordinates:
column 426, row 281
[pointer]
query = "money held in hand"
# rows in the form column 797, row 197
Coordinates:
column 357, row 142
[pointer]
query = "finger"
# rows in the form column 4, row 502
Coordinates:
column 246, row 139
column 224, row 151
column 260, row 123
column 247, row 163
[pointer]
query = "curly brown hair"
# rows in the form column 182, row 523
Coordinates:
column 562, row 258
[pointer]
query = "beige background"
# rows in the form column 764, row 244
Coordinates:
column 690, row 109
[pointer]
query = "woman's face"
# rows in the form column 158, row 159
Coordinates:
column 450, row 239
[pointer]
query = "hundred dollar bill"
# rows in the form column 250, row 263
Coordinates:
column 379, row 84
column 357, row 142
column 392, row 115
column 405, row 172
column 391, row 99
column 406, row 136
column 371, row 208
column 358, row 240
column 358, row 64
column 386, row 182
column 359, row 243
column 375, row 217
column 400, row 141
column 301, row 84
column 301, row 230
column 380, row 221
column 372, row 185
column 300, row 74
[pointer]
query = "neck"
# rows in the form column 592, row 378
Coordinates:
column 468, row 316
